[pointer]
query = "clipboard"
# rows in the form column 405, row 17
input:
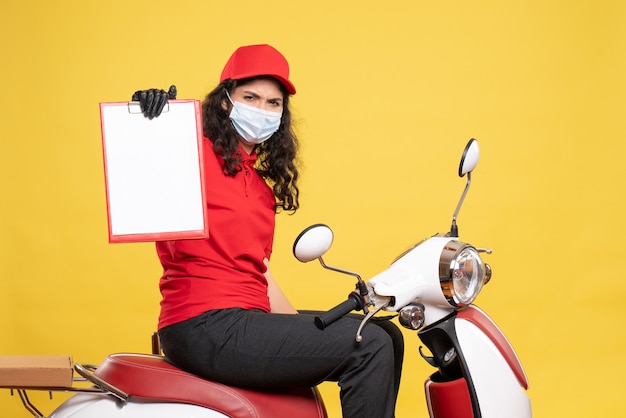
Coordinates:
column 154, row 175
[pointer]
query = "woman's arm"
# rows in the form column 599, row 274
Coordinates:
column 278, row 301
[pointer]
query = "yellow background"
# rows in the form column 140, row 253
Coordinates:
column 388, row 95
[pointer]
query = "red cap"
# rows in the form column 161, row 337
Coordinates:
column 257, row 60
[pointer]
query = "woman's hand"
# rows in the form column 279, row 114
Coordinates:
column 152, row 101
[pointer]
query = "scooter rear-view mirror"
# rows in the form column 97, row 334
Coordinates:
column 469, row 160
column 312, row 243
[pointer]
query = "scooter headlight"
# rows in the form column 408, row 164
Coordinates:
column 462, row 273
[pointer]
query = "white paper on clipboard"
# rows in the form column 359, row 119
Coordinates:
column 153, row 172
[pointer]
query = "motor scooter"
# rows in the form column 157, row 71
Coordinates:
column 431, row 287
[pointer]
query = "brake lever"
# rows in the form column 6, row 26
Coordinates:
column 365, row 320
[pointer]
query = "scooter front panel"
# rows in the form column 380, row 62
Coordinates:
column 496, row 386
column 479, row 318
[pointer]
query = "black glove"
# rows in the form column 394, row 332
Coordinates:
column 152, row 101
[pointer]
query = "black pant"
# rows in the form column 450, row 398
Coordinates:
column 255, row 349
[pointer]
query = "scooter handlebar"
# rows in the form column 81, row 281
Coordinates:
column 354, row 302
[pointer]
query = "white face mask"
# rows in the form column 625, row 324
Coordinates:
column 254, row 125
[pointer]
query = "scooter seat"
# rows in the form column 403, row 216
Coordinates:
column 152, row 378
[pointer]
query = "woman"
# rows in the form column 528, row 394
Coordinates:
column 223, row 317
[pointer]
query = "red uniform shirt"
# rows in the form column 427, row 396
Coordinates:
column 226, row 270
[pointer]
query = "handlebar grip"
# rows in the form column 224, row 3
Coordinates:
column 354, row 302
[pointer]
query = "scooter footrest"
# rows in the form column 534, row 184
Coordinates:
column 150, row 377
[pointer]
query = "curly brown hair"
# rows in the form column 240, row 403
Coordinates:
column 276, row 157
